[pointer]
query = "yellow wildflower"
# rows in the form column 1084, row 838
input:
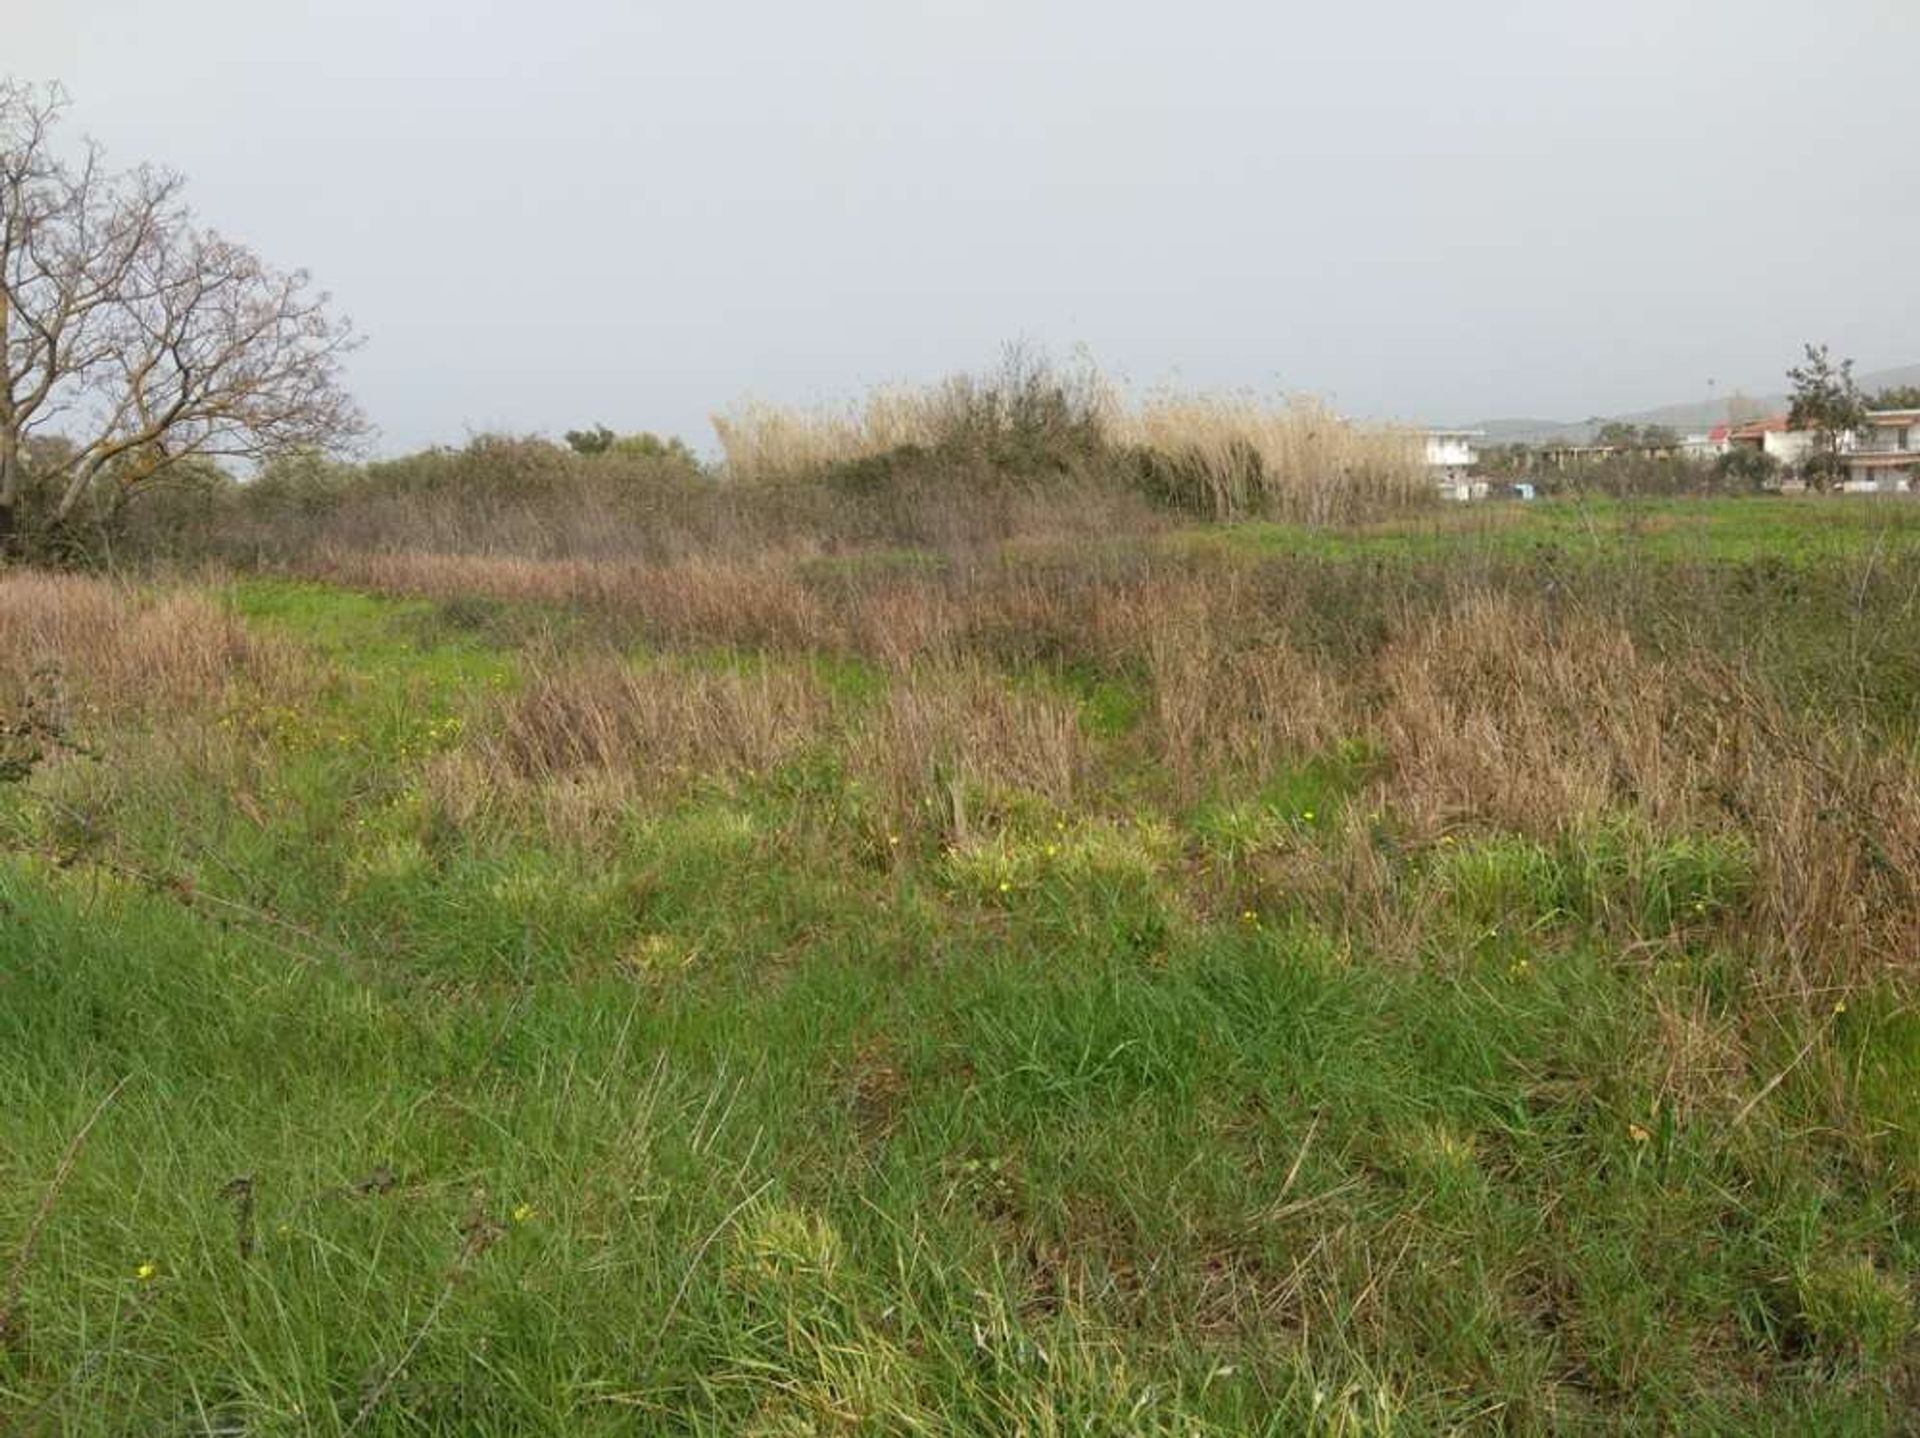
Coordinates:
column 145, row 1271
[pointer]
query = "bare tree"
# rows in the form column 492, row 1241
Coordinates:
column 141, row 339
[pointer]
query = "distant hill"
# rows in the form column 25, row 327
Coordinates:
column 1691, row 415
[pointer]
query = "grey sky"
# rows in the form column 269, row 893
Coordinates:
column 550, row 212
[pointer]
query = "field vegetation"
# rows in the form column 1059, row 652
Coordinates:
column 943, row 935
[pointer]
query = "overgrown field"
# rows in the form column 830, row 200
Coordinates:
column 1451, row 974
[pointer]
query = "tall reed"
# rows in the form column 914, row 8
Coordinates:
column 1232, row 456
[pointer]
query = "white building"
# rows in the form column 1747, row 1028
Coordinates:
column 1771, row 436
column 1883, row 455
column 1451, row 457
column 1706, row 445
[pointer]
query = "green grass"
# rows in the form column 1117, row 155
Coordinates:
column 1792, row 529
column 730, row 1121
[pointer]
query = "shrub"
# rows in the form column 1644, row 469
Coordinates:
column 1744, row 467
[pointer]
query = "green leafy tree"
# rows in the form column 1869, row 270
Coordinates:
column 1827, row 404
column 1899, row 396
column 1745, row 467
column 644, row 445
column 597, row 440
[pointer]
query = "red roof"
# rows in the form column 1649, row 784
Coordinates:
column 1719, row 432
column 1772, row 424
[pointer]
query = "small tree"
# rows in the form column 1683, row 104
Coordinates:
column 151, row 344
column 1826, row 403
column 642, row 445
column 597, row 440
column 1747, row 467
column 647, row 445
column 1899, row 396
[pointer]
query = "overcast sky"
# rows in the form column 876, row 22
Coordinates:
column 546, row 213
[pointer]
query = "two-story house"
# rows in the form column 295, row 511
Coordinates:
column 1451, row 457
column 1883, row 455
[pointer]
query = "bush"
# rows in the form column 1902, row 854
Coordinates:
column 1744, row 468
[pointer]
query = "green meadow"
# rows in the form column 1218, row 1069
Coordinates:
column 1453, row 974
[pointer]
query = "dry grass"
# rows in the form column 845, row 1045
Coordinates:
column 764, row 442
column 1224, row 455
column 590, row 736
column 1494, row 712
column 1226, row 705
column 1497, row 713
column 79, row 640
column 942, row 740
column 659, row 727
column 769, row 601
column 1502, row 715
column 1026, row 399
column 1837, row 900
column 754, row 602
column 1235, row 455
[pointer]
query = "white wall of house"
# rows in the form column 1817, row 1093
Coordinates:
column 1878, row 448
column 1789, row 446
column 1881, row 478
column 1450, row 453
column 1896, row 431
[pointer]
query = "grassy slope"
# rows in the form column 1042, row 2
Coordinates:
column 738, row 1123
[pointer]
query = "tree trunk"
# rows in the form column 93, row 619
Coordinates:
column 76, row 490
column 9, row 492
column 9, row 438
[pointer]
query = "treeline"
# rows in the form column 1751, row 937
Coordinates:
column 1025, row 451
column 1628, row 475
